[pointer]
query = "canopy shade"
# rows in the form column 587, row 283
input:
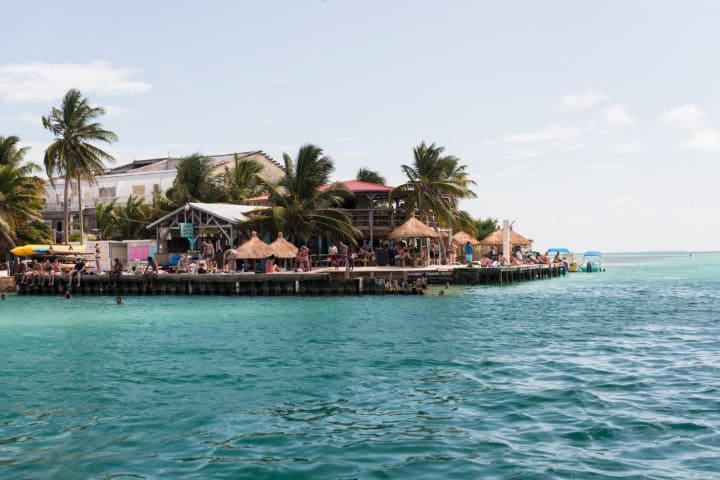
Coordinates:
column 592, row 253
column 413, row 228
column 461, row 238
column 558, row 250
column 282, row 248
column 495, row 239
column 254, row 248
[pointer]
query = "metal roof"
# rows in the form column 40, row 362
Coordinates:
column 226, row 211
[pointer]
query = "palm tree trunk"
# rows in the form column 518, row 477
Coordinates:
column 8, row 239
column 66, row 212
column 80, row 209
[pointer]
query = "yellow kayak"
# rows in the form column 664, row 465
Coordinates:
column 30, row 250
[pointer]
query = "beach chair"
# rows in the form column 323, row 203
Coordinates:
column 172, row 262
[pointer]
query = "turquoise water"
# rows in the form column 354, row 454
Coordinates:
column 613, row 375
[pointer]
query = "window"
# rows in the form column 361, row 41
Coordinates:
column 107, row 192
column 138, row 190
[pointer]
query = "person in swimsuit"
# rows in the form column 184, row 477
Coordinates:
column 229, row 260
column 97, row 259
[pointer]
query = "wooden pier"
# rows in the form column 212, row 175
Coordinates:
column 360, row 281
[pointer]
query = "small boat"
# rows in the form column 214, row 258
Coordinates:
column 566, row 255
column 31, row 250
column 592, row 262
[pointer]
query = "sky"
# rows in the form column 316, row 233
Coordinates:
column 591, row 125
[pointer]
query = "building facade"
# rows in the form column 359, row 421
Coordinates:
column 141, row 178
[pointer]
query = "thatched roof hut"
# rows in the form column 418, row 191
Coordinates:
column 495, row 239
column 461, row 238
column 413, row 228
column 254, row 249
column 282, row 248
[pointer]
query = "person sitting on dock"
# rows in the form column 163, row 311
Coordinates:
column 78, row 269
column 116, row 271
column 150, row 272
column 557, row 258
column 270, row 264
column 56, row 271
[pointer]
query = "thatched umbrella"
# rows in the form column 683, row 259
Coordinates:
column 461, row 238
column 254, row 249
column 413, row 228
column 282, row 248
column 495, row 239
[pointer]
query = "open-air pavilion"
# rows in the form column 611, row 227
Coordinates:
column 194, row 220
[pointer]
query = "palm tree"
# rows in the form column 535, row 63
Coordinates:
column 304, row 203
column 194, row 181
column 240, row 181
column 72, row 154
column 370, row 176
column 106, row 218
column 21, row 194
column 132, row 217
column 435, row 184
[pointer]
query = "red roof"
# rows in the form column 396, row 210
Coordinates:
column 352, row 185
column 358, row 186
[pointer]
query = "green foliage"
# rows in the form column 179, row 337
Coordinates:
column 370, row 176
column 194, row 181
column 131, row 218
column 21, row 194
column 300, row 207
column 485, row 226
column 435, row 184
column 35, row 232
column 241, row 181
column 106, row 219
column 73, row 155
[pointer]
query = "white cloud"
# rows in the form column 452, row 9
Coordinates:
column 687, row 116
column 608, row 169
column 549, row 133
column 522, row 153
column 691, row 118
column 704, row 139
column 632, row 147
column 43, row 82
column 618, row 116
column 584, row 100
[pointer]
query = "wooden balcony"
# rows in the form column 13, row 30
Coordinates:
column 380, row 219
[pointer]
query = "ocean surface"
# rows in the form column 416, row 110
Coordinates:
column 591, row 376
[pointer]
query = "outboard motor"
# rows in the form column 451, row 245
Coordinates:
column 588, row 267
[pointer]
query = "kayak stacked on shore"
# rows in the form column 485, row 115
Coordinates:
column 32, row 250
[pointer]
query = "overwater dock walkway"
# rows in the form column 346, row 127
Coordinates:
column 325, row 281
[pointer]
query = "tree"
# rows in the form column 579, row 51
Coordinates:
column 435, row 184
column 303, row 201
column 21, row 195
column 106, row 218
column 486, row 226
column 240, row 181
column 370, row 176
column 194, row 181
column 131, row 218
column 73, row 155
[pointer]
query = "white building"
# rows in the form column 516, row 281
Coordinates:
column 140, row 178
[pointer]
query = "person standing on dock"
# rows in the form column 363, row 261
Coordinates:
column 97, row 259
column 150, row 272
column 333, row 251
column 304, row 258
column 208, row 252
column 468, row 253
